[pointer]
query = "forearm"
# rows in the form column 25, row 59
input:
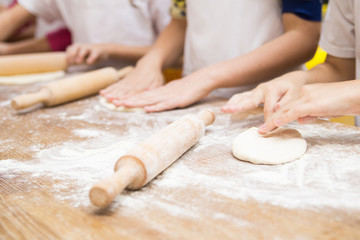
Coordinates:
column 355, row 108
column 348, row 96
column 272, row 59
column 12, row 19
column 333, row 70
column 28, row 32
column 133, row 53
column 29, row 46
column 169, row 46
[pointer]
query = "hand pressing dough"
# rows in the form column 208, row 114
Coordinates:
column 112, row 107
column 281, row 146
column 30, row 78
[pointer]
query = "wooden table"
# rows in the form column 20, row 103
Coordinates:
column 49, row 159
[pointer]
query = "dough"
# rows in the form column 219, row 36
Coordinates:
column 30, row 78
column 112, row 107
column 281, row 146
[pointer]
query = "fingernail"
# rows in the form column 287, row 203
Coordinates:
column 149, row 109
column 117, row 103
column 109, row 96
column 224, row 108
column 228, row 109
column 262, row 128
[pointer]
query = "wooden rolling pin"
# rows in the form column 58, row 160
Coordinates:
column 32, row 63
column 72, row 88
column 145, row 161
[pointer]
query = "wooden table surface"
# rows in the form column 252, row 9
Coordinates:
column 49, row 159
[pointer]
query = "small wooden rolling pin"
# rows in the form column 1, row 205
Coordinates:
column 71, row 88
column 32, row 63
column 145, row 161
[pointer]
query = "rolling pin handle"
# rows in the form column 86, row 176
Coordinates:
column 28, row 100
column 104, row 192
column 123, row 72
column 207, row 115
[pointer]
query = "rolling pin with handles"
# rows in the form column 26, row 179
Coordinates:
column 71, row 88
column 32, row 63
column 145, row 161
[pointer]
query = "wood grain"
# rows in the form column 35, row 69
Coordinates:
column 31, row 206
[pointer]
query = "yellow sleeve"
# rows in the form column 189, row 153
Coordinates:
column 178, row 9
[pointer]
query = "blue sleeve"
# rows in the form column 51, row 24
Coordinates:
column 306, row 9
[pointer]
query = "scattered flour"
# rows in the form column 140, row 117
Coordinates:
column 328, row 175
column 5, row 103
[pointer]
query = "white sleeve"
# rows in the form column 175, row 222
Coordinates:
column 46, row 9
column 160, row 14
column 338, row 29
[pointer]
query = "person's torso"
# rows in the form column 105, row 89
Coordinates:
column 115, row 21
column 356, row 15
column 43, row 27
column 222, row 30
column 341, row 29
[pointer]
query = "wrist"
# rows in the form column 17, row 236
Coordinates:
column 352, row 96
column 215, row 76
column 209, row 78
column 150, row 60
column 106, row 50
column 301, row 77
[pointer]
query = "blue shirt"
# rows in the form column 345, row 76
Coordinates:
column 306, row 9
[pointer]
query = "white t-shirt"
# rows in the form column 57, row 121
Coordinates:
column 339, row 30
column 134, row 23
column 227, row 29
column 223, row 30
column 5, row 3
column 43, row 27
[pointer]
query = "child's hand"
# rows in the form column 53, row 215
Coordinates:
column 86, row 53
column 175, row 94
column 144, row 77
column 272, row 94
column 317, row 100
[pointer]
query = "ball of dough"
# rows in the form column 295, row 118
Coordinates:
column 282, row 146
